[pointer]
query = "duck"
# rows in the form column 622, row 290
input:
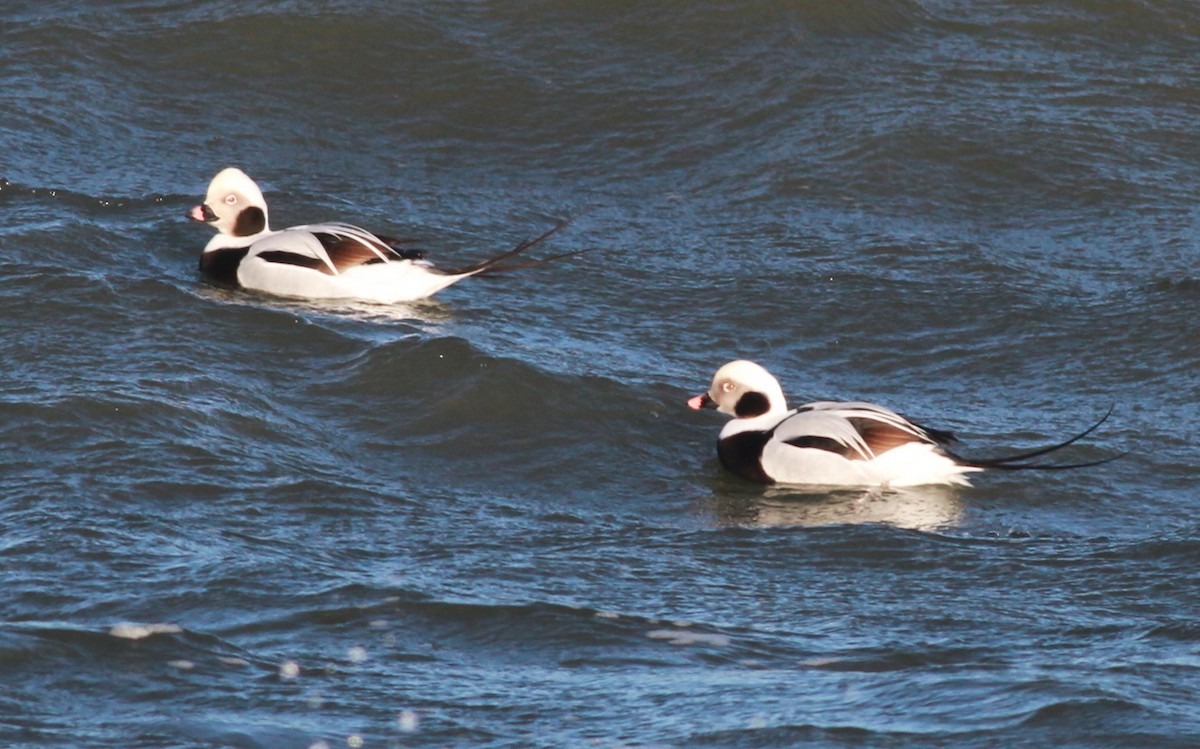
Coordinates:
column 840, row 443
column 321, row 261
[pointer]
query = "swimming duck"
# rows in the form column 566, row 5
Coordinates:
column 838, row 443
column 320, row 261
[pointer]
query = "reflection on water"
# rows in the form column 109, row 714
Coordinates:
column 420, row 309
column 918, row 508
column 426, row 314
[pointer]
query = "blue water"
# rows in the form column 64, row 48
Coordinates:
column 231, row 520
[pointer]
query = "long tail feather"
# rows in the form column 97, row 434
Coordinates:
column 490, row 265
column 1021, row 461
column 497, row 270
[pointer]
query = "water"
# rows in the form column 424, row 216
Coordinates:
column 228, row 520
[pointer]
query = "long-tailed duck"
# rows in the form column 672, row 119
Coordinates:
column 838, row 443
column 320, row 261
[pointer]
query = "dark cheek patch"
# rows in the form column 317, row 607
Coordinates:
column 751, row 405
column 249, row 222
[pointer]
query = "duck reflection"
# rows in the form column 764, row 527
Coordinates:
column 916, row 508
column 420, row 312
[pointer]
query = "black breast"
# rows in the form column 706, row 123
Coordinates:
column 741, row 453
column 221, row 265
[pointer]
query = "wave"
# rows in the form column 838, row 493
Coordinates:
column 446, row 398
column 28, row 648
column 388, row 626
column 1065, row 722
column 418, row 627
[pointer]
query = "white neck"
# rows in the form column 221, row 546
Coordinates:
column 226, row 241
column 756, row 424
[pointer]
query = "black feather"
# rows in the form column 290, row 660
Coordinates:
column 495, row 264
column 1020, row 461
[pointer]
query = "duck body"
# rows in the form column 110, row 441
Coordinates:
column 323, row 261
column 828, row 443
column 837, row 444
column 317, row 261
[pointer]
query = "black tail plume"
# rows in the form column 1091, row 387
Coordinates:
column 1021, row 461
column 497, row 270
column 495, row 264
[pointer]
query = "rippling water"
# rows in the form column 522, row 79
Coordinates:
column 228, row 520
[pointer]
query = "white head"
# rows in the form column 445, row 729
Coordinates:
column 234, row 205
column 743, row 389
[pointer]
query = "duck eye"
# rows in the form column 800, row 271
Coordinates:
column 230, row 199
column 727, row 387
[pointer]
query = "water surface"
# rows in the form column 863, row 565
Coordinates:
column 229, row 520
